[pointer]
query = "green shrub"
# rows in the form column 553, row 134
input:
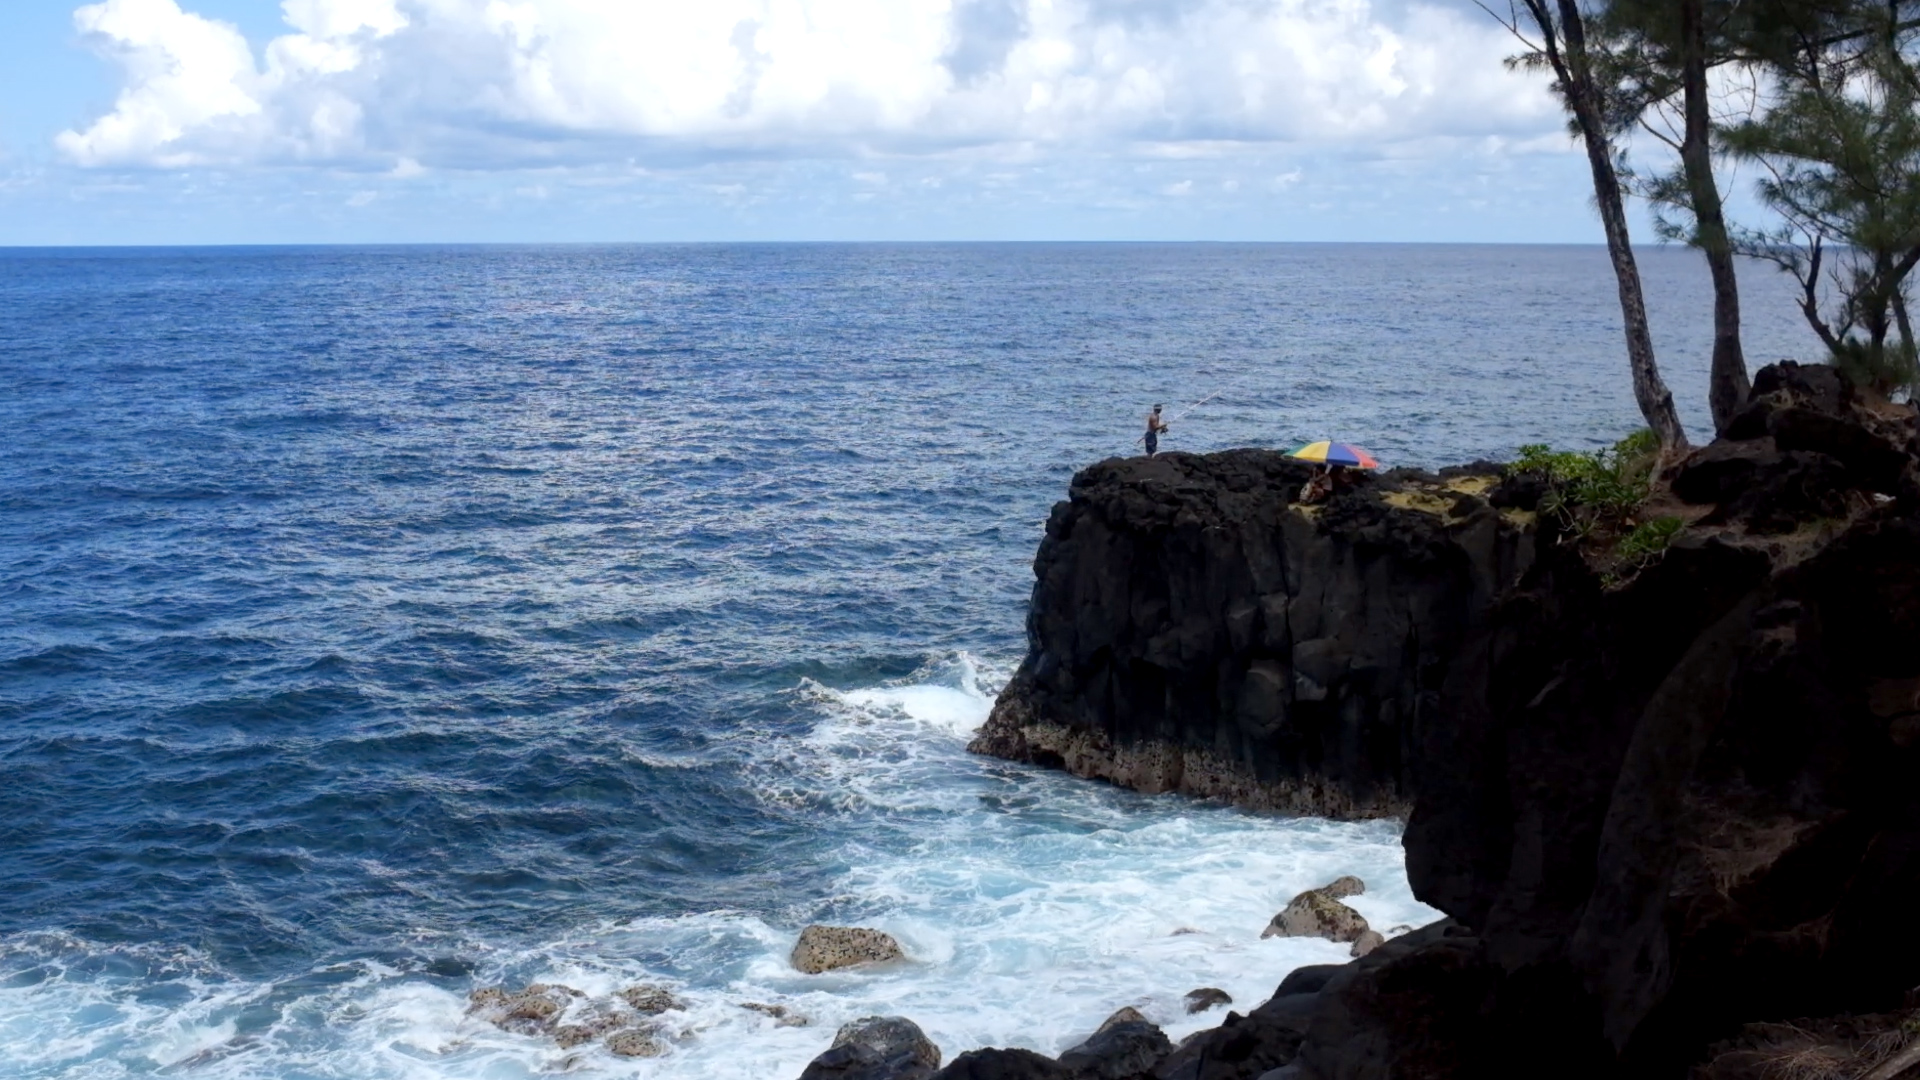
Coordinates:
column 1590, row 490
column 1649, row 539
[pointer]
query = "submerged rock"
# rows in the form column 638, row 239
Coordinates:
column 532, row 1010
column 635, row 1043
column 1206, row 998
column 877, row 1048
column 589, row 1025
column 827, row 948
column 782, row 1016
column 650, row 1000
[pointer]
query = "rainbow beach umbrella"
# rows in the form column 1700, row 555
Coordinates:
column 1335, row 453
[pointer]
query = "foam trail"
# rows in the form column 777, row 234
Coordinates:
column 1031, row 904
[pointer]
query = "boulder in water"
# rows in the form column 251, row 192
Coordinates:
column 1368, row 941
column 1344, row 886
column 589, row 1025
column 650, row 1000
column 827, row 948
column 533, row 1010
column 1315, row 914
column 634, row 1043
column 1206, row 998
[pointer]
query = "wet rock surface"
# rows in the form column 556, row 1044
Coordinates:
column 634, row 1043
column 877, row 1048
column 1316, row 913
column 532, row 1010
column 571, row 1019
column 650, row 1000
column 1206, row 998
column 829, row 948
column 1127, row 1045
column 780, row 1014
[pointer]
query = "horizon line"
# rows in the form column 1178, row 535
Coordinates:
column 265, row 245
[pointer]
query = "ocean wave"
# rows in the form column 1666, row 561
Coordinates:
column 1030, row 905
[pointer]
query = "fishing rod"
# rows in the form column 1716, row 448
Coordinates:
column 1189, row 409
column 1243, row 380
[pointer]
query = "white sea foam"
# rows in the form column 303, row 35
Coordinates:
column 1032, row 905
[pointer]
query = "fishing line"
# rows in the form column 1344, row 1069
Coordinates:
column 1231, row 387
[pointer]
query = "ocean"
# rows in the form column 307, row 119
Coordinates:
column 378, row 624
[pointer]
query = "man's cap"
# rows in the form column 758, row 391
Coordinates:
column 1156, row 407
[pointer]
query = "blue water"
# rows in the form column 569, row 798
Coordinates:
column 376, row 624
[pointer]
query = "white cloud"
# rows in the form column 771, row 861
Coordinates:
column 185, row 75
column 195, row 95
column 504, row 83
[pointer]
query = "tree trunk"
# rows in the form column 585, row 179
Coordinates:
column 1727, row 383
column 1583, row 98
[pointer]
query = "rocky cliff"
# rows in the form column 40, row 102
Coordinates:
column 1194, row 628
column 1667, row 811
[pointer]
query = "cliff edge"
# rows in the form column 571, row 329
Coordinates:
column 1672, row 812
column 1194, row 628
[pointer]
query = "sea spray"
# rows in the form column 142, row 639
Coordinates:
column 1031, row 906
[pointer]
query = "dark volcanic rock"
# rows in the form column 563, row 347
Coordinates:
column 1308, row 980
column 1126, row 1046
column 996, row 1064
column 1243, row 1047
column 877, row 1048
column 1192, row 630
column 1670, row 808
column 1663, row 809
column 1206, row 998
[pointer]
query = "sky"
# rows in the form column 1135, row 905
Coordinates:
column 317, row 121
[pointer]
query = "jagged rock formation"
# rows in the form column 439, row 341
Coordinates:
column 1692, row 801
column 1195, row 629
column 1663, row 809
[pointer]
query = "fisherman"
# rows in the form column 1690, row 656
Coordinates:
column 1154, row 427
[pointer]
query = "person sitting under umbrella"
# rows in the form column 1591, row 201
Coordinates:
column 1333, row 460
